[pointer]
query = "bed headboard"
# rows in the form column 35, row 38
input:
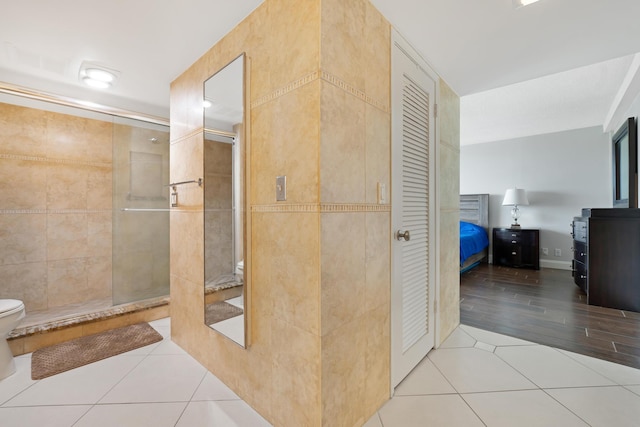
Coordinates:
column 474, row 208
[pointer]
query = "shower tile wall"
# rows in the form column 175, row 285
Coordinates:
column 218, row 214
column 55, row 207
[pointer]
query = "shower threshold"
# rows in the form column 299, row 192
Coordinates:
column 46, row 327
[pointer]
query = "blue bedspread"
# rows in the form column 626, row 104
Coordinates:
column 473, row 239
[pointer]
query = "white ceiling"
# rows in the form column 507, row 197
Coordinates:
column 573, row 99
column 475, row 45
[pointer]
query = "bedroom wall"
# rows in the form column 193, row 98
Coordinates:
column 562, row 173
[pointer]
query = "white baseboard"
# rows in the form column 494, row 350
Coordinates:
column 558, row 265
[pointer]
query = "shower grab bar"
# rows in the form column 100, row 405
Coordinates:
column 193, row 181
column 144, row 210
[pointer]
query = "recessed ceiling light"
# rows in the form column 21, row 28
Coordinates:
column 96, row 83
column 100, row 75
column 520, row 3
column 206, row 103
column 97, row 76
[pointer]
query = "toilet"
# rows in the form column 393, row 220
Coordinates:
column 240, row 268
column 11, row 313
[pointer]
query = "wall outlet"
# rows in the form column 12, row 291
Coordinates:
column 545, row 251
column 558, row 252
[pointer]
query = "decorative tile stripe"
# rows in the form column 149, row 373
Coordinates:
column 322, row 208
column 57, row 161
column 286, row 89
column 310, row 207
column 330, row 78
column 52, row 211
column 353, row 207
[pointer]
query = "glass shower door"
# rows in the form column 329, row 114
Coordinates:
column 140, row 211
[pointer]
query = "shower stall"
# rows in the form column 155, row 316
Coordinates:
column 140, row 211
column 85, row 214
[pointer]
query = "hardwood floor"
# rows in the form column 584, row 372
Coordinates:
column 546, row 307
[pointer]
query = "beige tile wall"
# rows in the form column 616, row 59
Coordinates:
column 284, row 245
column 355, row 246
column 449, row 182
column 319, row 349
column 55, row 218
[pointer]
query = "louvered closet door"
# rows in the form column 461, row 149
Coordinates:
column 413, row 123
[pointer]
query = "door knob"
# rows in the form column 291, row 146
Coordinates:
column 403, row 235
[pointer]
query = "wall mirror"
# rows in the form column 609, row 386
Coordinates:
column 625, row 165
column 224, row 201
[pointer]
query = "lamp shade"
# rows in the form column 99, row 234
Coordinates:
column 515, row 197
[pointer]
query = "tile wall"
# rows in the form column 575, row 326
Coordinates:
column 319, row 93
column 355, row 147
column 55, row 216
column 449, row 228
column 279, row 374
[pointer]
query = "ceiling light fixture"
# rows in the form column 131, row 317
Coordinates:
column 520, row 3
column 206, row 103
column 97, row 76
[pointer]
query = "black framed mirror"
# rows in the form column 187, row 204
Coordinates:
column 625, row 165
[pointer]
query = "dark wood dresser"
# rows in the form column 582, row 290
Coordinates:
column 516, row 247
column 606, row 257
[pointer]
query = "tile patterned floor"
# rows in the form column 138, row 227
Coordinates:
column 476, row 378
column 479, row 378
column 158, row 385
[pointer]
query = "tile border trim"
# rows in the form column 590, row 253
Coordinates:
column 341, row 84
column 324, row 76
column 53, row 160
column 321, row 208
column 311, row 77
column 53, row 211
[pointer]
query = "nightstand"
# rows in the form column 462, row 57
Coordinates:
column 516, row 247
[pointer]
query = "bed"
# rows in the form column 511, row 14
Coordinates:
column 474, row 230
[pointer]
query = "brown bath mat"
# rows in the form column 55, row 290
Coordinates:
column 219, row 311
column 82, row 351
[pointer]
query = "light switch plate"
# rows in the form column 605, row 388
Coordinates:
column 281, row 188
column 382, row 194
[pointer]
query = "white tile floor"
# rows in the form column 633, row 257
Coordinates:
column 476, row 378
column 158, row 385
column 479, row 378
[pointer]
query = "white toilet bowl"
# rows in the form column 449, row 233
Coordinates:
column 240, row 268
column 11, row 313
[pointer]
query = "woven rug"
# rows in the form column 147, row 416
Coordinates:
column 81, row 351
column 219, row 311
